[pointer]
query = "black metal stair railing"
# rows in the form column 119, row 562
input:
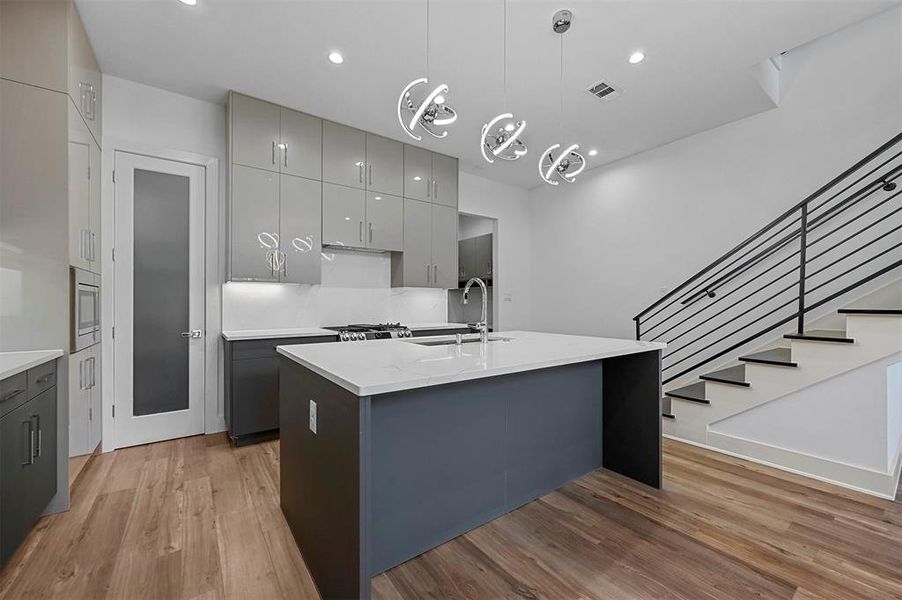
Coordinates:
column 844, row 235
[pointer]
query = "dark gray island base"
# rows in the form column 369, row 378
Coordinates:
column 387, row 477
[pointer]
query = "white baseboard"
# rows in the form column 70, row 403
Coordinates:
column 741, row 451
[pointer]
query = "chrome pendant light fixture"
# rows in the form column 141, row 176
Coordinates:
column 556, row 165
column 429, row 111
column 502, row 136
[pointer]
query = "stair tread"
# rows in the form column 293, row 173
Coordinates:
column 734, row 375
column 821, row 335
column 775, row 356
column 870, row 311
column 694, row 392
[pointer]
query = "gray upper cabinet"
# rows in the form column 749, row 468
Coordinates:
column 384, row 221
column 413, row 268
column 255, row 133
column 344, row 216
column 444, row 237
column 466, row 257
column 301, row 144
column 344, row 155
column 417, row 173
column 444, row 180
column 300, row 223
column 483, row 259
column 254, row 224
column 384, row 165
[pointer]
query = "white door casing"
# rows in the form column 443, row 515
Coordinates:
column 129, row 429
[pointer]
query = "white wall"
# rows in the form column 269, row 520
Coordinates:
column 626, row 231
column 142, row 118
column 512, row 284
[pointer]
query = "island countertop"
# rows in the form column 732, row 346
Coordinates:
column 381, row 366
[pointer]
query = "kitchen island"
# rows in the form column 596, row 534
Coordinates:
column 392, row 447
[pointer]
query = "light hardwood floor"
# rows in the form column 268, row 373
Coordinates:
column 196, row 518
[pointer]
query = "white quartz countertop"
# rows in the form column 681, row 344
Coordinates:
column 422, row 326
column 13, row 363
column 380, row 366
column 265, row 334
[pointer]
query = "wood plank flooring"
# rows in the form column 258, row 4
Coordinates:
column 196, row 518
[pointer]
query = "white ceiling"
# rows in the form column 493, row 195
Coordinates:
column 697, row 74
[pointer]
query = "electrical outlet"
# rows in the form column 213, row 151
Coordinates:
column 508, row 297
column 313, row 416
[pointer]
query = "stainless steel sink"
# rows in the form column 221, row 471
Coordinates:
column 444, row 342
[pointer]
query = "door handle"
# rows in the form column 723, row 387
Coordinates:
column 193, row 334
column 36, row 452
column 28, row 447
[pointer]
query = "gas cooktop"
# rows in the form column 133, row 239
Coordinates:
column 367, row 331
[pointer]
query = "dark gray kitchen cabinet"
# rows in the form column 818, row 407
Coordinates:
column 252, row 386
column 28, row 452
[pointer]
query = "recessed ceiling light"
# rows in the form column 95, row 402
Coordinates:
column 188, row 2
column 334, row 57
column 593, row 152
column 636, row 58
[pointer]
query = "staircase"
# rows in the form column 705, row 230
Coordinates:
column 727, row 365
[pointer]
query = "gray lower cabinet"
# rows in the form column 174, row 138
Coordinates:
column 252, row 386
column 428, row 258
column 28, row 452
column 300, row 224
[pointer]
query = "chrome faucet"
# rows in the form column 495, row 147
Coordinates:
column 482, row 325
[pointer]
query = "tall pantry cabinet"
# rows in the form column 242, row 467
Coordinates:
column 44, row 48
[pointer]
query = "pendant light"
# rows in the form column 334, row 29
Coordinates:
column 556, row 165
column 501, row 137
column 430, row 112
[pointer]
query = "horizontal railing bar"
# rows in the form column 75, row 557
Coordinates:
column 739, row 344
column 856, row 234
column 852, row 200
column 740, row 301
column 722, row 325
column 858, row 266
column 860, row 282
column 724, row 297
column 812, row 210
column 859, row 249
column 853, row 219
column 858, row 165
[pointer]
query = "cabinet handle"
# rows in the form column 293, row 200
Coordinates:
column 434, row 274
column 435, row 189
column 93, row 380
column 428, row 269
column 285, row 153
column 12, row 395
column 29, row 443
column 360, row 230
column 429, row 188
column 273, row 152
column 371, row 231
column 370, row 170
column 359, row 172
column 81, row 374
column 93, row 246
column 284, row 259
column 36, row 453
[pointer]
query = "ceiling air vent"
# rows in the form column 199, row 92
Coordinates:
column 604, row 90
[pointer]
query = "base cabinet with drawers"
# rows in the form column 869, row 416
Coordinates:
column 28, row 453
column 252, row 386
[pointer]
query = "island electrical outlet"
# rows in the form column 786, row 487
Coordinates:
column 313, row 416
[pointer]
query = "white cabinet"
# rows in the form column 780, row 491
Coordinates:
column 85, row 79
column 344, row 155
column 429, row 256
column 85, row 417
column 83, row 195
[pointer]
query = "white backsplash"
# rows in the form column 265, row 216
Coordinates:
column 356, row 288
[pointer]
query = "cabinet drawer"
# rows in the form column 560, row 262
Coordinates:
column 12, row 393
column 40, row 378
